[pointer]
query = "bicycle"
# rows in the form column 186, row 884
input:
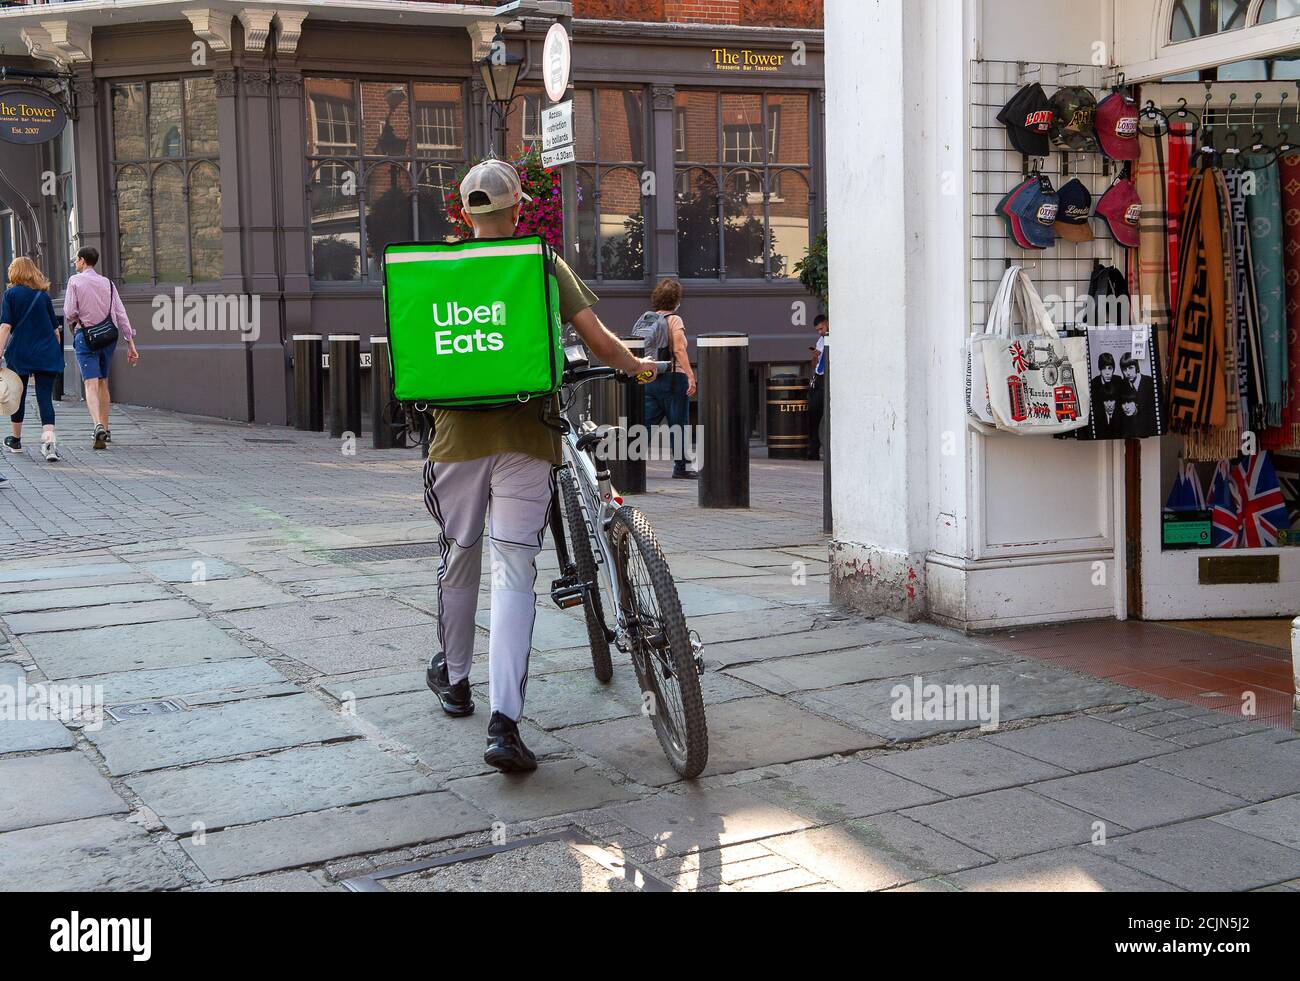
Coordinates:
column 615, row 548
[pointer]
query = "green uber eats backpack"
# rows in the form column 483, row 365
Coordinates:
column 474, row 324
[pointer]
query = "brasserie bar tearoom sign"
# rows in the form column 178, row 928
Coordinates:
column 30, row 116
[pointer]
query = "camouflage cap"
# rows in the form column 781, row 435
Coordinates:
column 1075, row 110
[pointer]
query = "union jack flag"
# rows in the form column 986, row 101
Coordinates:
column 1261, row 507
column 1225, row 522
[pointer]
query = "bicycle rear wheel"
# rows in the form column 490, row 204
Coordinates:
column 660, row 644
column 585, row 563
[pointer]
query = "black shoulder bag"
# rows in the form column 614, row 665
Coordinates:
column 104, row 333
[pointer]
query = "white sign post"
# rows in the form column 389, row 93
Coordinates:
column 557, row 59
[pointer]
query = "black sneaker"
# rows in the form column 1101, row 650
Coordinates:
column 685, row 475
column 101, row 439
column 13, row 444
column 455, row 699
column 505, row 749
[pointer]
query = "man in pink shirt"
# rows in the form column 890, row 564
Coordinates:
column 91, row 299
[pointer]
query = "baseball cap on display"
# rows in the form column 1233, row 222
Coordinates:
column 1117, row 127
column 492, row 185
column 1072, row 222
column 1028, row 119
column 1006, row 211
column 1036, row 208
column 1074, row 111
column 1121, row 208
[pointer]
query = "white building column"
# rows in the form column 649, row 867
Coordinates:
column 896, row 200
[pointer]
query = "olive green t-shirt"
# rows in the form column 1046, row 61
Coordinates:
column 461, row 435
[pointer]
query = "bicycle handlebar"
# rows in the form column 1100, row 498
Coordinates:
column 581, row 375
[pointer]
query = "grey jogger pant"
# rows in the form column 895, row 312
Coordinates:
column 514, row 492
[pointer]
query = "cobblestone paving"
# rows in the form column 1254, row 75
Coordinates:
column 296, row 746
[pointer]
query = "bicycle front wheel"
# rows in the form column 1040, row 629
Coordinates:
column 660, row 644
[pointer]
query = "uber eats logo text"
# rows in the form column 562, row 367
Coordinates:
column 457, row 315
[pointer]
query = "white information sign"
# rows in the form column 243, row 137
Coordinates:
column 557, row 126
column 554, row 158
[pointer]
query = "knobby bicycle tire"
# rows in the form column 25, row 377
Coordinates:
column 689, row 752
column 585, row 561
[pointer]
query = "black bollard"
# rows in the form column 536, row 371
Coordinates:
column 828, row 515
column 308, row 383
column 345, row 384
column 723, row 380
column 627, row 469
column 58, row 379
column 382, row 408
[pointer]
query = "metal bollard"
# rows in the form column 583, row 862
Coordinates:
column 629, row 474
column 308, row 383
column 828, row 515
column 59, row 379
column 345, row 384
column 381, row 396
column 723, row 379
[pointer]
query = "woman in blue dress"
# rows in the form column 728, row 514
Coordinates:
column 30, row 341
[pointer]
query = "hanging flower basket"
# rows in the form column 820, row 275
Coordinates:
column 543, row 216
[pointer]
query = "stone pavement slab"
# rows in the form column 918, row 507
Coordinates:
column 966, row 766
column 183, row 570
column 722, row 628
column 197, row 681
column 557, row 787
column 1009, row 823
column 1254, row 767
column 26, row 735
column 100, row 854
column 85, row 596
column 275, row 882
column 831, row 794
column 1025, row 690
column 155, row 742
column 307, row 839
column 52, row 568
column 295, row 781
column 552, row 630
column 857, row 634
column 309, row 621
column 244, row 593
column 701, row 599
column 72, row 654
column 1205, row 856
column 88, row 617
column 124, row 574
column 1137, row 796
column 758, row 557
column 743, row 734
column 702, row 818
column 393, row 683
column 785, row 675
column 53, row 788
column 873, row 853
column 398, row 647
column 1082, row 744
column 1275, row 820
column 1077, row 869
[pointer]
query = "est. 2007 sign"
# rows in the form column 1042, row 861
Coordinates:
column 30, row 116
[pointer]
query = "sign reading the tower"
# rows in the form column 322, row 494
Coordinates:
column 30, row 116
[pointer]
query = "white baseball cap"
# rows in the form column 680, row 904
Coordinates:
column 492, row 185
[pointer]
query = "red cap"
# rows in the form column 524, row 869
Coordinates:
column 1117, row 127
column 1121, row 208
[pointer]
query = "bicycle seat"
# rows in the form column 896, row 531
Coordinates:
column 594, row 437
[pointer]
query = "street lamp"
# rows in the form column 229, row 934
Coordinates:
column 500, row 70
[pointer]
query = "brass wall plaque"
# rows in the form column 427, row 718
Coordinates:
column 1241, row 570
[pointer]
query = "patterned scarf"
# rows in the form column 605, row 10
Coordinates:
column 1288, row 435
column 1153, row 241
column 1181, row 147
column 1264, row 208
column 1197, row 396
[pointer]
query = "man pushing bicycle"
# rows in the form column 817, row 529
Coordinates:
column 495, row 462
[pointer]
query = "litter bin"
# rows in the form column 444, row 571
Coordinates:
column 787, row 417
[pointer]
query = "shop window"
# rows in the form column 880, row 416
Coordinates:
column 743, row 180
column 381, row 157
column 1274, row 10
column 166, row 180
column 1199, row 18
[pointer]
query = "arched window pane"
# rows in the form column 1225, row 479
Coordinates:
column 1199, row 18
column 1274, row 10
column 697, row 224
column 788, row 218
column 165, row 119
column 388, row 212
column 335, row 223
column 586, row 264
column 128, row 121
column 205, row 222
column 744, row 236
column 201, row 117
column 439, row 120
column 622, row 226
column 133, row 245
column 436, row 182
column 171, row 252
column 385, row 119
column 331, row 117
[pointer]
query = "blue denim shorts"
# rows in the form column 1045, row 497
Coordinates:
column 93, row 364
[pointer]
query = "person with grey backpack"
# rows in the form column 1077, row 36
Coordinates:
column 668, row 398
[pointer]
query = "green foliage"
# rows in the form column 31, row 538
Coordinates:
column 813, row 270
